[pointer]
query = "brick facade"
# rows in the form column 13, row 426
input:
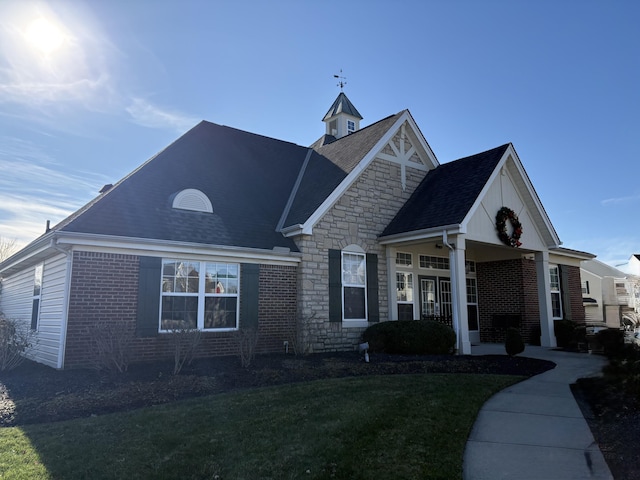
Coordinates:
column 357, row 218
column 104, row 288
column 510, row 287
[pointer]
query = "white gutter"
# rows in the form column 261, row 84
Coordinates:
column 65, row 301
column 142, row 246
column 424, row 234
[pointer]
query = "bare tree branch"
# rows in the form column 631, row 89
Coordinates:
column 7, row 248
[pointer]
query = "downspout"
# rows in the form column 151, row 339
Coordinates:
column 454, row 289
column 65, row 301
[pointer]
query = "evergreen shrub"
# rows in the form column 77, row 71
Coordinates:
column 410, row 337
column 513, row 343
column 565, row 332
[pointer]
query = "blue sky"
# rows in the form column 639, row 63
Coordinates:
column 114, row 82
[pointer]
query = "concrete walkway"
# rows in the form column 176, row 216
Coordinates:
column 534, row 430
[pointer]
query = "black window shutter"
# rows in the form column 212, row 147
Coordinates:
column 565, row 292
column 335, row 286
column 373, row 306
column 249, row 288
column 148, row 315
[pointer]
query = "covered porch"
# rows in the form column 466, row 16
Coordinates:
column 481, row 289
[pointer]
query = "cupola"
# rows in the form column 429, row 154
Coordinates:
column 342, row 118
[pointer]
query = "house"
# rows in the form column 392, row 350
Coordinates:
column 607, row 294
column 225, row 230
column 633, row 266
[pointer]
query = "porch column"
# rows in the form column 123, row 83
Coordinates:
column 459, row 295
column 548, row 337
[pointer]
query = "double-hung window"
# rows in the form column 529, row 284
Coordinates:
column 202, row 295
column 556, row 297
column 37, row 295
column 354, row 286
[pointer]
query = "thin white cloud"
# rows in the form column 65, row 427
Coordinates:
column 148, row 115
column 34, row 188
column 620, row 200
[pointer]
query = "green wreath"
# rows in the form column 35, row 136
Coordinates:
column 502, row 216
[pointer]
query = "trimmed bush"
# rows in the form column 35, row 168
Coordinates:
column 513, row 343
column 565, row 332
column 612, row 341
column 410, row 337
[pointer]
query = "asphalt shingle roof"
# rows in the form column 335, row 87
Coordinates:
column 330, row 164
column 446, row 194
column 247, row 177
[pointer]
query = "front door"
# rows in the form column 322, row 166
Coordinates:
column 438, row 302
column 428, row 298
column 446, row 307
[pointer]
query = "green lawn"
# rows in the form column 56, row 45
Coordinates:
column 389, row 427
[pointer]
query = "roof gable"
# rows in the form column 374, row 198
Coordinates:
column 446, row 194
column 333, row 167
column 466, row 194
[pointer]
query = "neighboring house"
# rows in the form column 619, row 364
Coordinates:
column 633, row 266
column 607, row 294
column 226, row 230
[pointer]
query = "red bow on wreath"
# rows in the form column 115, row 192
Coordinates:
column 502, row 216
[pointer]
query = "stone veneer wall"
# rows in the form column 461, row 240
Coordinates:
column 104, row 288
column 358, row 217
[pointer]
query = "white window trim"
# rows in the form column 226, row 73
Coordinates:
column 201, row 294
column 404, row 265
column 557, row 292
column 38, row 277
column 354, row 250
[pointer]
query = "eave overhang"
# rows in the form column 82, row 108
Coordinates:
column 53, row 242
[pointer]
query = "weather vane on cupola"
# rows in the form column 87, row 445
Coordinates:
column 342, row 81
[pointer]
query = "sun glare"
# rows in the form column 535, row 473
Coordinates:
column 44, row 35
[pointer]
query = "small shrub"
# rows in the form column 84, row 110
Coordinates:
column 411, row 337
column 246, row 341
column 111, row 344
column 513, row 343
column 565, row 333
column 612, row 341
column 185, row 341
column 15, row 339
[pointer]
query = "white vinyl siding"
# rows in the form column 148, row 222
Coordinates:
column 52, row 310
column 16, row 302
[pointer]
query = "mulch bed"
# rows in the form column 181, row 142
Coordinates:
column 613, row 416
column 34, row 393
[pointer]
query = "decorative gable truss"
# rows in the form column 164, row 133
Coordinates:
column 403, row 144
column 404, row 149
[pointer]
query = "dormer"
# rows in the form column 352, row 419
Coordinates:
column 342, row 118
